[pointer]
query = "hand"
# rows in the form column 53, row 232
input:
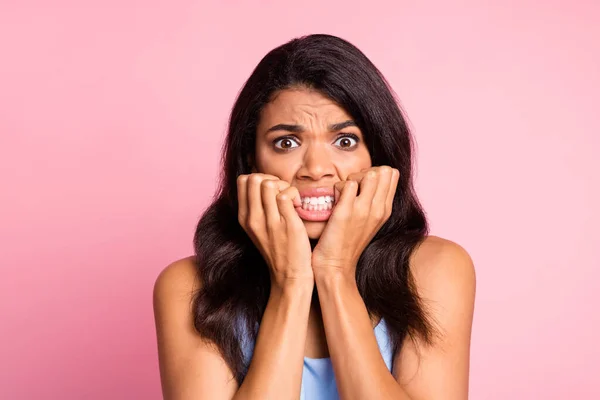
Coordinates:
column 266, row 212
column 355, row 219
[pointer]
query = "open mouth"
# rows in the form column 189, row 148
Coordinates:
column 317, row 204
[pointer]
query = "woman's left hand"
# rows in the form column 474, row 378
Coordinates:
column 363, row 203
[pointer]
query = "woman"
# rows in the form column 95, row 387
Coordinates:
column 314, row 276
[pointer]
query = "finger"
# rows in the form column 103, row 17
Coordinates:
column 242, row 181
column 296, row 200
column 338, row 187
column 337, row 191
column 348, row 191
column 383, row 187
column 287, row 200
column 268, row 190
column 385, row 179
column 255, row 206
column 368, row 186
column 358, row 177
column 392, row 191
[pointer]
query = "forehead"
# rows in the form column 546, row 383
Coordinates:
column 297, row 105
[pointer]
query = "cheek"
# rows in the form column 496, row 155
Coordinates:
column 273, row 165
column 352, row 165
column 365, row 158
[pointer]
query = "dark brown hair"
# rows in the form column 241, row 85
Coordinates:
column 235, row 277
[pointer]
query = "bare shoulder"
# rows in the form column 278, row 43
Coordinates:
column 178, row 278
column 444, row 277
column 443, row 270
column 436, row 255
column 190, row 367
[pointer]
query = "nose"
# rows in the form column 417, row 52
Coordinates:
column 316, row 164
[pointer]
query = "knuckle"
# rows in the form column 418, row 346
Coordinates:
column 378, row 214
column 272, row 228
column 241, row 181
column 281, row 197
column 385, row 169
column 255, row 179
column 254, row 225
column 268, row 184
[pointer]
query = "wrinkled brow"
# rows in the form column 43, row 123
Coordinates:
column 300, row 128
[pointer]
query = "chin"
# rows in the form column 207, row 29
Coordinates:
column 314, row 229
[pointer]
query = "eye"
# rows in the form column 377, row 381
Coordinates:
column 285, row 143
column 346, row 141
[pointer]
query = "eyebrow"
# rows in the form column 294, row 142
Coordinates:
column 300, row 128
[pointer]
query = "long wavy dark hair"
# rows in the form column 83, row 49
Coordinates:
column 235, row 278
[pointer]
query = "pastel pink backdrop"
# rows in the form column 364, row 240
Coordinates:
column 112, row 115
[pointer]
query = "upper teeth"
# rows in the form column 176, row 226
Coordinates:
column 318, row 200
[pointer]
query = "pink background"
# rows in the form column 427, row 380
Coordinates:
column 112, row 114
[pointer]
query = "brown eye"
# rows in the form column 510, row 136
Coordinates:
column 285, row 143
column 347, row 141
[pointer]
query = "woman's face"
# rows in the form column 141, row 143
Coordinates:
column 309, row 141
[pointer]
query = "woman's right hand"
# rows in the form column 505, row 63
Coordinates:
column 267, row 213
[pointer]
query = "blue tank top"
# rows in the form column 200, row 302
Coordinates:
column 318, row 380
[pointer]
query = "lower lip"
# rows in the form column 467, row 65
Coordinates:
column 315, row 216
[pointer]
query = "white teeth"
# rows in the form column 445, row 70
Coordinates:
column 318, row 200
column 318, row 203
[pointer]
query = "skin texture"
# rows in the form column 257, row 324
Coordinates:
column 304, row 165
column 443, row 273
